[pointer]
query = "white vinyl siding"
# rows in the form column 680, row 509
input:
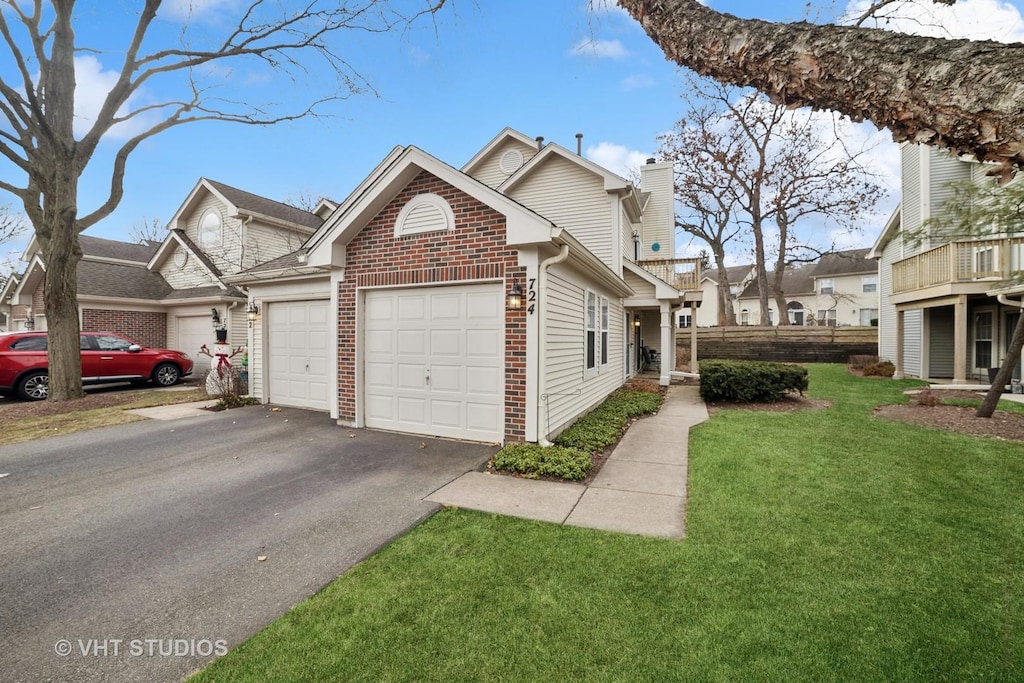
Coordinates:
column 626, row 232
column 264, row 243
column 193, row 274
column 912, row 323
column 944, row 173
column 573, row 198
column 227, row 256
column 489, row 172
column 910, row 202
column 886, row 310
column 659, row 212
column 568, row 394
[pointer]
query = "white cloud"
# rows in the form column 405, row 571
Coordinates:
column 592, row 47
column 973, row 19
column 637, row 81
column 617, row 158
column 92, row 85
column 184, row 10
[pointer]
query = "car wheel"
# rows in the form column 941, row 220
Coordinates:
column 166, row 374
column 34, row 386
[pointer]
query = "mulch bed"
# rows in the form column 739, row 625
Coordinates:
column 1002, row 425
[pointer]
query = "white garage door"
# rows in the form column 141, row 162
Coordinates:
column 193, row 332
column 433, row 361
column 297, row 354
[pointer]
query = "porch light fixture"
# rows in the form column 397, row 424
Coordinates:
column 514, row 299
column 636, row 321
column 30, row 321
column 252, row 312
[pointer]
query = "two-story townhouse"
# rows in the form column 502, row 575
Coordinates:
column 708, row 313
column 494, row 302
column 173, row 293
column 949, row 304
column 839, row 289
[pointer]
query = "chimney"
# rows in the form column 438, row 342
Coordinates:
column 579, row 144
column 650, row 160
column 540, row 142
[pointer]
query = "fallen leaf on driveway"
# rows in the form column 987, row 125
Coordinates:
column 261, row 558
column 275, row 410
column 423, row 445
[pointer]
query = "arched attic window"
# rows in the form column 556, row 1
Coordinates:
column 424, row 213
column 211, row 229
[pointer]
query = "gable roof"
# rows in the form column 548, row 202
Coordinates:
column 249, row 203
column 113, row 249
column 612, row 181
column 497, row 141
column 735, row 274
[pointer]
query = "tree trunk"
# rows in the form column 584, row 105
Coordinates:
column 60, row 296
column 726, row 312
column 963, row 95
column 988, row 406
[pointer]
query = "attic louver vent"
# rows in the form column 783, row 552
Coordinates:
column 510, row 161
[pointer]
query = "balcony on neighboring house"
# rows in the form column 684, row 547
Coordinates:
column 967, row 267
column 682, row 273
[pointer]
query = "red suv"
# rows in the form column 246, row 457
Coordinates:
column 106, row 358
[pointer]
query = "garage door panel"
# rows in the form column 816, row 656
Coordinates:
column 411, row 376
column 446, row 378
column 379, row 342
column 411, row 342
column 380, row 375
column 298, row 353
column 454, row 333
column 483, row 343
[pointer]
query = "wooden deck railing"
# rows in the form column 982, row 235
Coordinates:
column 956, row 262
column 682, row 273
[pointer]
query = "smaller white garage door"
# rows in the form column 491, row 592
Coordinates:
column 193, row 332
column 433, row 361
column 297, row 354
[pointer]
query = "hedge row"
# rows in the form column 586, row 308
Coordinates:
column 749, row 381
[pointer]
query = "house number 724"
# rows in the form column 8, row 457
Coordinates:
column 531, row 295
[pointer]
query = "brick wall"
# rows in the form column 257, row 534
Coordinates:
column 474, row 250
column 146, row 328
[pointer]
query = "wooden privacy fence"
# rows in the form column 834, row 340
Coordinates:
column 787, row 344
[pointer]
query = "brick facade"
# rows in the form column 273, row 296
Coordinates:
column 475, row 250
column 146, row 328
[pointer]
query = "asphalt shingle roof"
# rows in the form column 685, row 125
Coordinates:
column 98, row 278
column 267, row 207
column 124, row 251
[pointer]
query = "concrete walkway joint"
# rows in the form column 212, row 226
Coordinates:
column 641, row 489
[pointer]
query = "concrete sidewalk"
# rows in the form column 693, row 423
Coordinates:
column 640, row 490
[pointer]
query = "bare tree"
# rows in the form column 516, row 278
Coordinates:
column 961, row 95
column 37, row 109
column 147, row 230
column 747, row 167
column 11, row 227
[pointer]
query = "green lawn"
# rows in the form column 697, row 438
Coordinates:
column 822, row 546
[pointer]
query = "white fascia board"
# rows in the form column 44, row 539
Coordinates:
column 280, row 274
column 30, row 249
column 612, row 181
column 662, row 289
column 892, row 226
column 186, row 205
column 498, row 140
column 30, row 280
column 522, row 225
column 274, row 222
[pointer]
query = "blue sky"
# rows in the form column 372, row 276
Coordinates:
column 545, row 67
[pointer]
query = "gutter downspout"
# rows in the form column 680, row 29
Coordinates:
column 1006, row 301
column 542, row 272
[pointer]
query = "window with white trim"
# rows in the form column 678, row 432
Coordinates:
column 211, row 229
column 826, row 285
column 869, row 284
column 684, row 320
column 424, row 213
column 868, row 317
column 604, row 331
column 827, row 318
column 591, row 327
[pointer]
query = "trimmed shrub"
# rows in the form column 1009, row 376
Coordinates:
column 750, row 381
column 880, row 369
column 603, row 426
column 532, row 461
column 927, row 398
column 860, row 361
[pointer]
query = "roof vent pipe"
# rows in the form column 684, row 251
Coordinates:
column 579, row 144
column 540, row 142
column 650, row 160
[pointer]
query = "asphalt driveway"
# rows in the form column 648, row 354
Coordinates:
column 132, row 553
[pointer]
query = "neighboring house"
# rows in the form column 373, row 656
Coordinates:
column 164, row 294
column 949, row 305
column 839, row 289
column 12, row 316
column 497, row 302
column 707, row 315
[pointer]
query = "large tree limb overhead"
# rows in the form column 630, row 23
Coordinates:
column 963, row 95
